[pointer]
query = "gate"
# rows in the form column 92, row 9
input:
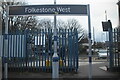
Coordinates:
column 32, row 50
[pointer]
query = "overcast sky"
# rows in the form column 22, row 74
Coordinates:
column 97, row 8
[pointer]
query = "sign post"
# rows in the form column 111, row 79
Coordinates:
column 6, row 45
column 90, row 45
column 55, row 62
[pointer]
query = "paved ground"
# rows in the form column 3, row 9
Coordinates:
column 97, row 72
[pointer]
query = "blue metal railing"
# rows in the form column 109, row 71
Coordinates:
column 32, row 50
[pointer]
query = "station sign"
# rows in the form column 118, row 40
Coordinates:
column 48, row 9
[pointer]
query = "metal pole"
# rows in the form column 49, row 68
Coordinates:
column 94, row 39
column 110, row 48
column 6, row 45
column 1, row 45
column 55, row 62
column 105, row 15
column 90, row 45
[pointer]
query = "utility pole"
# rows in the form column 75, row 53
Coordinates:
column 55, row 62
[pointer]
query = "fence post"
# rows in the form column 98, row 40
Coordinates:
column 110, row 48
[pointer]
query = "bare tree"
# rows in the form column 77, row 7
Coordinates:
column 69, row 24
column 44, row 24
column 74, row 24
column 18, row 22
column 22, row 23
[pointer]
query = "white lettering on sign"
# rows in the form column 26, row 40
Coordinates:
column 47, row 10
column 39, row 10
column 61, row 9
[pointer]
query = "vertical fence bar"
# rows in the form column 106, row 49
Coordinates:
column 65, row 50
column 77, row 55
column 17, row 51
column 51, row 50
column 59, row 44
column 10, row 52
column 13, row 37
column 31, row 54
column 23, row 50
column 38, row 50
column 45, row 49
column 115, row 42
column 75, row 33
column 62, row 54
column 117, row 32
column 22, row 61
column 27, row 51
column 73, row 47
column 33, row 47
column 68, row 50
column 42, row 48
column 71, row 51
column 48, row 49
column 25, row 58
column 119, row 47
column 20, row 52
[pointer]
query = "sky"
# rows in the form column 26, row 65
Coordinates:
column 97, row 11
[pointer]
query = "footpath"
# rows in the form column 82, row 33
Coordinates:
column 99, row 71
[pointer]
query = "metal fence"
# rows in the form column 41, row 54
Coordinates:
column 116, row 49
column 33, row 50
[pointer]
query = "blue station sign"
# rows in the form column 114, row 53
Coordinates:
column 48, row 9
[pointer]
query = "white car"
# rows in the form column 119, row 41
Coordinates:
column 103, row 54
